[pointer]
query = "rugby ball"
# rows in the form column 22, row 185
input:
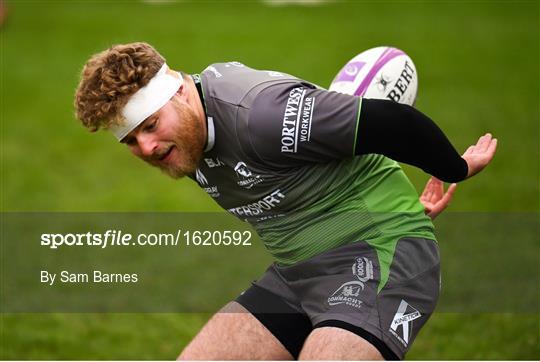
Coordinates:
column 382, row 72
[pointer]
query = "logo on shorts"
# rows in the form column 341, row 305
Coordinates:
column 363, row 269
column 347, row 294
column 403, row 320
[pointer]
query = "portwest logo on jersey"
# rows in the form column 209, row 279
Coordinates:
column 347, row 294
column 213, row 162
column 296, row 120
column 246, row 178
column 267, row 203
column 363, row 269
column 402, row 83
column 403, row 320
column 203, row 182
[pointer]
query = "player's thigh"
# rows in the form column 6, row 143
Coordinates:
column 234, row 334
column 332, row 343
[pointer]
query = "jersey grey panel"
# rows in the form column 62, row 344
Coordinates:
column 292, row 124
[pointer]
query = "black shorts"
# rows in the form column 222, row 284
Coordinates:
column 351, row 288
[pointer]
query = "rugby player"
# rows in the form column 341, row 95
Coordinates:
column 356, row 272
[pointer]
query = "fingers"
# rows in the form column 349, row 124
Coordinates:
column 486, row 144
column 438, row 188
column 426, row 189
column 451, row 189
column 468, row 151
column 427, row 207
column 483, row 143
column 439, row 203
column 492, row 147
column 480, row 155
column 431, row 189
column 445, row 201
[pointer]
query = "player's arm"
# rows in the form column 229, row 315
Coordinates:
column 407, row 135
column 291, row 124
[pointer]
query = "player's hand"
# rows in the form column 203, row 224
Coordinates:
column 434, row 199
column 479, row 155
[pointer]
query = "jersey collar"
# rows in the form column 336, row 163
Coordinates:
column 210, row 130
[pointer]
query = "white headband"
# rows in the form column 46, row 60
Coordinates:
column 147, row 100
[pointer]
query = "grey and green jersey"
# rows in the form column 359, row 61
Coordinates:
column 280, row 156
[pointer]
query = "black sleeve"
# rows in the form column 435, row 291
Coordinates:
column 406, row 135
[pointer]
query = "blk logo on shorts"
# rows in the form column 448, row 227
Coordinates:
column 403, row 322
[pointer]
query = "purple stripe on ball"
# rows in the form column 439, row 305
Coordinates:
column 385, row 57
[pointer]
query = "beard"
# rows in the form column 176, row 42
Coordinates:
column 187, row 144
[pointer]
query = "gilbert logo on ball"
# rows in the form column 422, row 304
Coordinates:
column 382, row 72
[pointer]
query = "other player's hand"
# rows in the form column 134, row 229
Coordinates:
column 434, row 199
column 480, row 155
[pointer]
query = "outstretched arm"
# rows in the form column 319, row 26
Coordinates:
column 407, row 135
column 294, row 123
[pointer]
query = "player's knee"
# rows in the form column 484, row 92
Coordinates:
column 330, row 343
column 184, row 355
column 189, row 354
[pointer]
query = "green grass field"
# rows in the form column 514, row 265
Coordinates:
column 478, row 66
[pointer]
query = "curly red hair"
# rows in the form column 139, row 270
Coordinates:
column 109, row 78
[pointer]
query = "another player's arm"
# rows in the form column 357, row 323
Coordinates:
column 434, row 199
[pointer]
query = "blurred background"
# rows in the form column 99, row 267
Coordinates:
column 478, row 65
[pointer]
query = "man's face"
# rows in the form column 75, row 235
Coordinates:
column 172, row 139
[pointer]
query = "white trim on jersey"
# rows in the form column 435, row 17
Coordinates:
column 211, row 134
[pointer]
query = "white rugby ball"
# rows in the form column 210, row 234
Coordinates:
column 382, row 72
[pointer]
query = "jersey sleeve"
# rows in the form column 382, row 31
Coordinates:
column 295, row 123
